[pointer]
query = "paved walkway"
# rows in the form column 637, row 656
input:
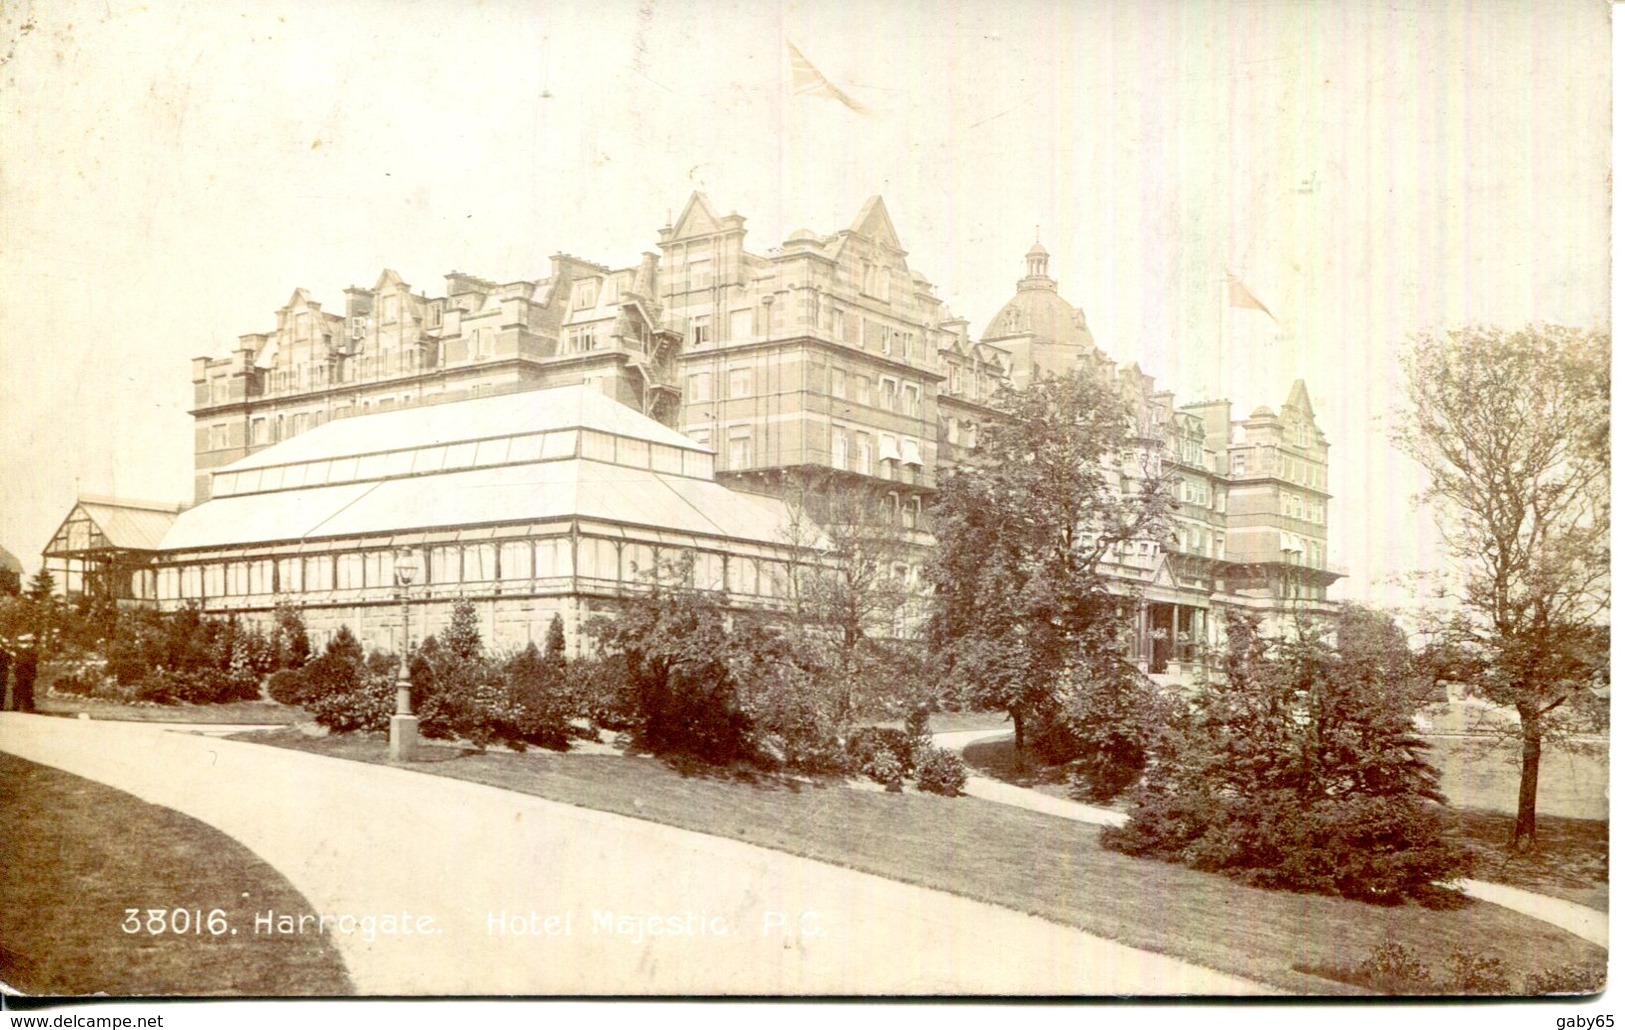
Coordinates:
column 1579, row 920
column 528, row 896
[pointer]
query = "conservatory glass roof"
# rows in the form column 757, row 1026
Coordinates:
column 546, row 454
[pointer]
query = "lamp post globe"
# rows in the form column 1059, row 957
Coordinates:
column 403, row 725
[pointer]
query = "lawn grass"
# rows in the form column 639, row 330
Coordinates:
column 952, row 722
column 231, row 712
column 1482, row 772
column 75, row 855
column 1570, row 860
column 1023, row 860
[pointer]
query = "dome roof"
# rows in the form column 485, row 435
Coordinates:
column 1038, row 250
column 1044, row 314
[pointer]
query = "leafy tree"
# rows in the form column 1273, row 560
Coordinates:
column 1299, row 768
column 1023, row 605
column 1512, row 428
column 701, row 681
column 851, row 540
column 291, row 641
column 461, row 639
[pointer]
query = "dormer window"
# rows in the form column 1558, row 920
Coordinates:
column 586, row 294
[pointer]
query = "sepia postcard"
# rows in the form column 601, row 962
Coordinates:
column 803, row 501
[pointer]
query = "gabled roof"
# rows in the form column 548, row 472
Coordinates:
column 116, row 524
column 1298, row 397
column 697, row 218
column 389, row 277
column 9, row 562
column 874, row 222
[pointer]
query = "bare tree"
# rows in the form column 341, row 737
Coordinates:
column 1512, row 427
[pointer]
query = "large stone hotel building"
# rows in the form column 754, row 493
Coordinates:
column 541, row 444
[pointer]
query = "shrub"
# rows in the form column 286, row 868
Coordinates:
column 1568, row 979
column 940, row 772
column 1299, row 770
column 1475, row 973
column 540, row 697
column 865, row 742
column 1394, row 968
column 79, row 684
column 365, row 707
column 884, row 768
column 287, row 686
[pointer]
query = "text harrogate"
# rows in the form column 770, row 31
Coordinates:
column 370, row 927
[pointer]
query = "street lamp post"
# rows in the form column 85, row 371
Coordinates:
column 403, row 725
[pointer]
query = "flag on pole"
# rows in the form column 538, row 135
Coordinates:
column 1242, row 297
column 805, row 80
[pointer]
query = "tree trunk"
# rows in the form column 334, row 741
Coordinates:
column 1021, row 736
column 1523, row 830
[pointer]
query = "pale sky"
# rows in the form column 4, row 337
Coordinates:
column 170, row 173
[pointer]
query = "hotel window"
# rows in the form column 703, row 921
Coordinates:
column 953, row 430
column 911, row 399
column 865, row 454
column 700, row 331
column 637, row 563
column 837, row 382
column 445, row 565
column 863, row 390
column 218, row 439
column 260, row 432
column 380, row 569
column 837, row 324
column 349, row 572
column 888, row 393
column 1218, row 546
column 700, row 436
column 586, row 294
column 597, row 559
column 910, row 449
column 479, row 563
column 739, row 447
column 970, row 435
column 739, row 382
column 888, row 449
column 553, row 557
column 319, row 572
column 515, row 559
column 699, row 273
column 699, row 386
column 288, row 576
column 741, row 575
column 742, row 324
column 838, row 447
column 1238, row 465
